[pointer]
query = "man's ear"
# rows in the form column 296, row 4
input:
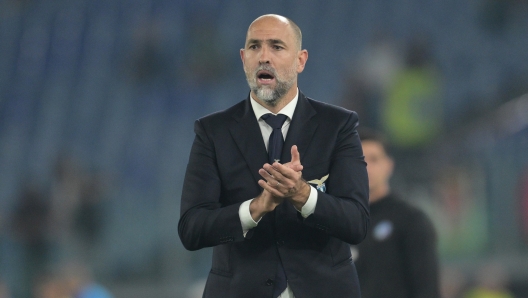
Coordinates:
column 242, row 55
column 302, row 58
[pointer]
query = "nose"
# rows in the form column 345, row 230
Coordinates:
column 264, row 56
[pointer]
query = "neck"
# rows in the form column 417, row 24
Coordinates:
column 378, row 193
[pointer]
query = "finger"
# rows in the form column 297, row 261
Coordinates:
column 274, row 179
column 270, row 189
column 296, row 156
column 296, row 168
column 266, row 175
column 276, row 171
column 284, row 172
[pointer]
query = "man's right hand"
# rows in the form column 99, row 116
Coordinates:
column 263, row 204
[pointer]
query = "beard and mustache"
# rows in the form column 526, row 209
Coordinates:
column 269, row 94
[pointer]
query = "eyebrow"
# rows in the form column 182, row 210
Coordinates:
column 269, row 41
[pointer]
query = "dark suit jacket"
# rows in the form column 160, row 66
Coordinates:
column 226, row 155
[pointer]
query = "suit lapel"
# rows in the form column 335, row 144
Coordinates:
column 248, row 137
column 301, row 129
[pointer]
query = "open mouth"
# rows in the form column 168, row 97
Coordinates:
column 265, row 76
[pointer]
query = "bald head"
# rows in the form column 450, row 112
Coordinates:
column 280, row 19
column 272, row 58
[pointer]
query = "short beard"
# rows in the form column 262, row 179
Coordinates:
column 267, row 94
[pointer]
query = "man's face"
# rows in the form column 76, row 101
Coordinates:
column 379, row 164
column 272, row 59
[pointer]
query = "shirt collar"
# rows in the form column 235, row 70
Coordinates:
column 288, row 110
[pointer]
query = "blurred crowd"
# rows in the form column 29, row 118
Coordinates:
column 114, row 85
column 67, row 281
column 52, row 226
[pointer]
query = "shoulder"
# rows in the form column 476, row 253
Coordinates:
column 332, row 117
column 326, row 109
column 226, row 113
column 398, row 202
column 219, row 119
column 218, row 123
column 407, row 212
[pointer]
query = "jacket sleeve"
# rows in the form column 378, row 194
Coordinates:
column 204, row 222
column 343, row 211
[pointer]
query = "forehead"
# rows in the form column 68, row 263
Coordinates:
column 270, row 28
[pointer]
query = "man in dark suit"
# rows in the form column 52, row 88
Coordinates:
column 280, row 221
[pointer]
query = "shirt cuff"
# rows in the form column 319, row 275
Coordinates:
column 309, row 207
column 245, row 217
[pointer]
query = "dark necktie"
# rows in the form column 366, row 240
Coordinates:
column 276, row 141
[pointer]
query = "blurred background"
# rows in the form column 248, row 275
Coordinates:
column 98, row 100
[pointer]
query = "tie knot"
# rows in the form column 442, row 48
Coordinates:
column 275, row 121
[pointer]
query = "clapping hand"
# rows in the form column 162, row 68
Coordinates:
column 281, row 181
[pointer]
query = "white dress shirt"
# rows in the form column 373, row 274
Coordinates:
column 309, row 207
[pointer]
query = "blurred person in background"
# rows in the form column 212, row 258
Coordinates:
column 70, row 280
column 273, row 233
column 81, row 283
column 50, row 286
column 371, row 75
column 30, row 226
column 412, row 110
column 66, row 188
column 90, row 217
column 398, row 258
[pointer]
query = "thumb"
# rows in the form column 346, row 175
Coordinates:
column 296, row 157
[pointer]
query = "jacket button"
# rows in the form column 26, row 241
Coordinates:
column 269, row 282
